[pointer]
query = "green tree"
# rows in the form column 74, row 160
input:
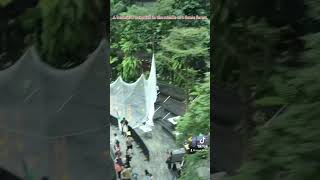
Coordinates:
column 131, row 40
column 192, row 163
column 197, row 118
column 140, row 38
column 119, row 6
column 251, row 46
column 193, row 7
column 160, row 8
column 66, row 29
column 194, row 122
column 280, row 64
column 131, row 69
column 185, row 55
column 288, row 146
column 65, row 32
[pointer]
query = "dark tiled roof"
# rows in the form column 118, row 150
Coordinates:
column 166, row 104
column 174, row 92
column 170, row 103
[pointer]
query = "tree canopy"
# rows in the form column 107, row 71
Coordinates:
column 268, row 51
column 197, row 119
column 174, row 42
column 65, row 32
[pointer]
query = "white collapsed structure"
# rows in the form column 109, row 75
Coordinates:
column 135, row 101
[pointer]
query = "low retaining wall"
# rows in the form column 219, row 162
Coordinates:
column 135, row 136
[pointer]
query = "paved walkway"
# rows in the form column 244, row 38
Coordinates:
column 157, row 145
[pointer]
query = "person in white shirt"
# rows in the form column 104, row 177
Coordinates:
column 125, row 128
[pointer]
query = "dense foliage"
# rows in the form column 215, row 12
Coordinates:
column 184, row 56
column 65, row 32
column 272, row 54
column 181, row 46
column 193, row 163
column 197, row 119
column 161, row 7
column 74, row 28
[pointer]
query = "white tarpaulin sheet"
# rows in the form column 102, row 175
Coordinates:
column 135, row 101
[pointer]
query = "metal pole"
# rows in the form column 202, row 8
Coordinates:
column 157, row 109
column 165, row 116
column 166, row 99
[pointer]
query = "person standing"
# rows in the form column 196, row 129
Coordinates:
column 116, row 142
column 169, row 159
column 130, row 152
column 122, row 122
column 174, row 167
column 148, row 175
column 117, row 145
column 118, row 151
column 129, row 141
column 119, row 161
column 126, row 173
column 118, row 167
column 128, row 159
column 125, row 128
column 115, row 137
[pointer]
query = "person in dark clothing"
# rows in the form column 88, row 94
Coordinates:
column 148, row 175
column 123, row 122
column 116, row 141
column 45, row 178
column 127, row 163
column 128, row 159
column 169, row 159
column 118, row 154
column 117, row 144
column 119, row 161
column 115, row 138
column 174, row 167
column 118, row 151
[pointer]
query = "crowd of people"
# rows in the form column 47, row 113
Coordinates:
column 123, row 168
